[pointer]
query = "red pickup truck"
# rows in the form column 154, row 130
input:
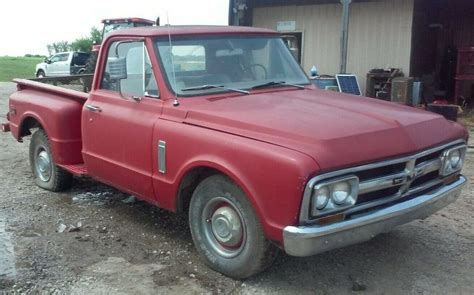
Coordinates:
column 222, row 123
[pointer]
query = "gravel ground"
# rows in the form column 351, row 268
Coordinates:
column 132, row 247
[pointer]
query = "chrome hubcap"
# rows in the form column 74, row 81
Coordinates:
column 223, row 228
column 43, row 165
column 227, row 227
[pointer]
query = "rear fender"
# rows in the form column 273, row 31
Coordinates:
column 28, row 122
column 59, row 116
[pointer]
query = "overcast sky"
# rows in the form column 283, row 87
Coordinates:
column 27, row 26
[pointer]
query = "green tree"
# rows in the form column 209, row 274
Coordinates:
column 50, row 49
column 63, row 46
column 83, row 44
column 60, row 46
column 96, row 36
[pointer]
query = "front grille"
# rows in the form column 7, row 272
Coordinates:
column 432, row 176
column 372, row 196
column 428, row 157
column 395, row 181
column 384, row 170
column 384, row 183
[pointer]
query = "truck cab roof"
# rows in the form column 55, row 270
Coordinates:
column 190, row 30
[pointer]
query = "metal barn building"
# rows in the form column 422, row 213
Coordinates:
column 413, row 35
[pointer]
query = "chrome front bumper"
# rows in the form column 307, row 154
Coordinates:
column 314, row 239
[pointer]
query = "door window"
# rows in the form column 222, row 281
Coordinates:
column 140, row 79
column 60, row 57
column 54, row 58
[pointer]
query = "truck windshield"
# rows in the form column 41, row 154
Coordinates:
column 229, row 62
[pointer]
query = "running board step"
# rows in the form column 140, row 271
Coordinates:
column 78, row 169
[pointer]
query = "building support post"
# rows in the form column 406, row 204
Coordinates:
column 238, row 10
column 344, row 34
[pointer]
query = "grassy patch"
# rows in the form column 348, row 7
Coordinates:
column 17, row 67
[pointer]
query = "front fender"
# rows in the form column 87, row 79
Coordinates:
column 41, row 66
column 272, row 177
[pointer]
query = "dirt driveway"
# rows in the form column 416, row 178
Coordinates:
column 132, row 247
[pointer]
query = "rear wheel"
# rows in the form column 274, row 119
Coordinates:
column 226, row 230
column 46, row 173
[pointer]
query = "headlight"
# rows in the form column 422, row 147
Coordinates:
column 453, row 160
column 340, row 192
column 334, row 195
column 321, row 198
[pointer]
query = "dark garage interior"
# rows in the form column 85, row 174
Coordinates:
column 443, row 49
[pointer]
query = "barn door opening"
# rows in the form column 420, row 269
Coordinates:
column 294, row 41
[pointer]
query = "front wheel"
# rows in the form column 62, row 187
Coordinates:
column 46, row 173
column 40, row 74
column 226, row 230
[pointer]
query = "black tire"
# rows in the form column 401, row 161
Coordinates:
column 53, row 178
column 40, row 74
column 254, row 253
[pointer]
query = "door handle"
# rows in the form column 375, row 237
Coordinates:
column 93, row 108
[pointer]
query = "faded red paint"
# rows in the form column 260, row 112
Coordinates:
column 269, row 142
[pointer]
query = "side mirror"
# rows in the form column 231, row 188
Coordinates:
column 118, row 71
column 46, row 60
column 117, row 68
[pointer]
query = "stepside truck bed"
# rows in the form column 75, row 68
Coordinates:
column 59, row 113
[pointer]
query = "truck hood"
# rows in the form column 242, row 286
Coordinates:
column 336, row 130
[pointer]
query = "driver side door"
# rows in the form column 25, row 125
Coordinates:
column 117, row 126
column 58, row 64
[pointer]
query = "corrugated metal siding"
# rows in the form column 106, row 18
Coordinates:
column 379, row 34
column 320, row 25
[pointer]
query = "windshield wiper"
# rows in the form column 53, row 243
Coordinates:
column 273, row 83
column 204, row 87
